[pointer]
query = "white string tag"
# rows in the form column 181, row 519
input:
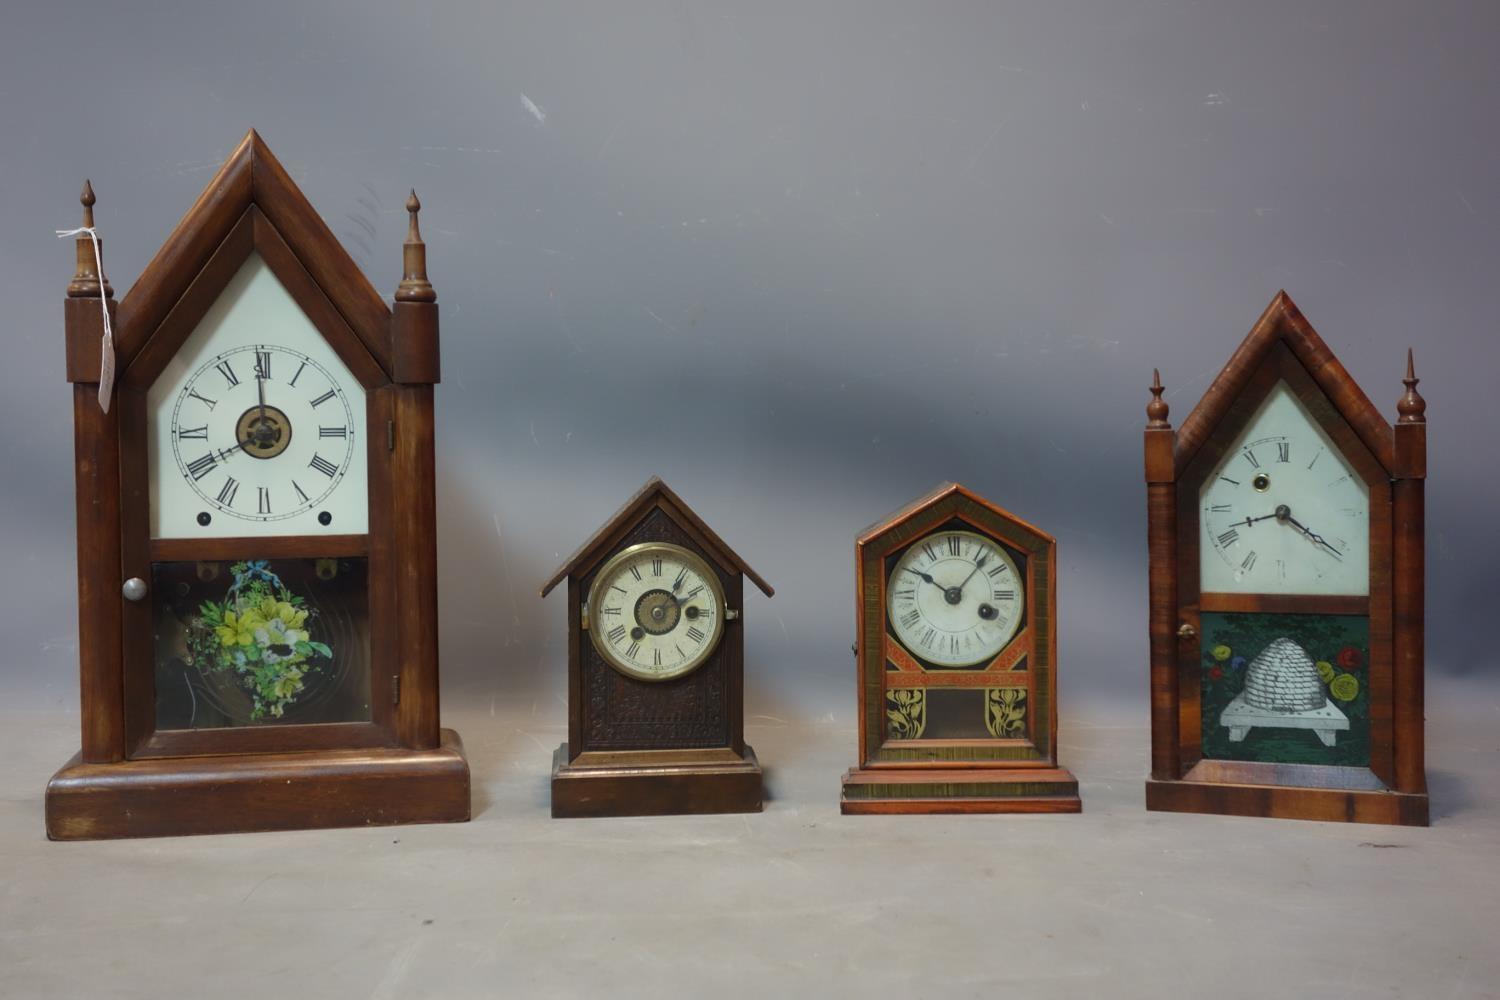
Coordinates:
column 107, row 347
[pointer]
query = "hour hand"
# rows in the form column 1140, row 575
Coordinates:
column 924, row 576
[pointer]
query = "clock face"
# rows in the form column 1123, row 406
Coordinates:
column 256, row 427
column 1284, row 513
column 656, row 611
column 955, row 598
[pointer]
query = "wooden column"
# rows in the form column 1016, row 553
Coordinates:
column 96, row 459
column 415, row 370
column 1161, row 539
column 1408, row 572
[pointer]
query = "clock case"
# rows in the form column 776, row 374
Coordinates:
column 1392, row 460
column 957, row 775
column 131, row 779
column 647, row 748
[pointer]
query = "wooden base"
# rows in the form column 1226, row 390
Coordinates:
column 245, row 793
column 655, row 783
column 869, row 791
column 1329, row 805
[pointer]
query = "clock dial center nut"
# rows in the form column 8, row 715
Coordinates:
column 1261, row 482
column 263, row 434
column 954, row 595
column 657, row 612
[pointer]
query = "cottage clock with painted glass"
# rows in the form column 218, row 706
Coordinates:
column 256, row 556
column 1286, row 548
column 655, row 668
column 957, row 663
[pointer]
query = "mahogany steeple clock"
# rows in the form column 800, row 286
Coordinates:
column 257, row 558
column 1286, row 553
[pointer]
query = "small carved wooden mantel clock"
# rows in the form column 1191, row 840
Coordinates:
column 957, row 656
column 655, row 668
column 256, row 531
column 1285, row 523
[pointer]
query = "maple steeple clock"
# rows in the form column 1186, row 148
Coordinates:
column 257, row 556
column 1285, row 529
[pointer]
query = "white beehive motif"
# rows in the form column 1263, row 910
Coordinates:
column 1283, row 691
column 1283, row 679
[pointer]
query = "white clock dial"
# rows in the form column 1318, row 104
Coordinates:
column 1284, row 513
column 656, row 611
column 256, row 426
column 955, row 598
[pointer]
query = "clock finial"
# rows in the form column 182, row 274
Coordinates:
column 1411, row 406
column 86, row 277
column 414, row 285
column 1157, row 409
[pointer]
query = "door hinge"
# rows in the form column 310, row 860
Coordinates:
column 395, row 689
column 390, row 435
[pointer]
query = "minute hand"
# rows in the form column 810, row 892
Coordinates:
column 1314, row 536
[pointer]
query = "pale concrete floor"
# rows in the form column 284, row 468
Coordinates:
column 797, row 901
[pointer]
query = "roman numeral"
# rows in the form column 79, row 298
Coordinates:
column 954, row 543
column 617, row 633
column 634, row 648
column 300, row 495
column 657, row 653
column 263, row 364
column 202, row 399
column 226, row 494
column 1315, row 459
column 635, row 572
column 656, row 566
column 323, row 398
column 1250, row 457
column 696, row 634
column 200, row 467
column 931, row 552
column 909, row 594
column 911, row 618
column 1231, row 482
column 996, row 570
column 1229, row 537
column 1249, row 563
column 610, row 611
column 323, row 465
column 193, row 433
column 228, row 373
column 927, row 639
column 1005, row 595
column 263, row 500
column 693, row 593
column 620, row 589
column 1283, row 451
column 680, row 654
column 1220, row 508
column 953, row 645
column 293, row 382
column 333, row 432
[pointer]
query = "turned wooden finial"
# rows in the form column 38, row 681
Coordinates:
column 414, row 285
column 1157, row 409
column 1411, row 406
column 86, row 279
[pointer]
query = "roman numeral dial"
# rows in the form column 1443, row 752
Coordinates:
column 657, row 611
column 259, row 434
column 1284, row 512
column 955, row 598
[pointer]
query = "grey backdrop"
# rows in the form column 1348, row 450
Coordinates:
column 804, row 262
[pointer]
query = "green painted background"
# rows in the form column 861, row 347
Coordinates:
column 1323, row 636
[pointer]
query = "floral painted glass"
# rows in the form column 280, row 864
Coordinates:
column 260, row 642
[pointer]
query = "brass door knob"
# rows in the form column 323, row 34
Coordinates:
column 1186, row 631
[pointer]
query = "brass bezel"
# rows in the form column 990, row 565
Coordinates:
column 607, row 573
